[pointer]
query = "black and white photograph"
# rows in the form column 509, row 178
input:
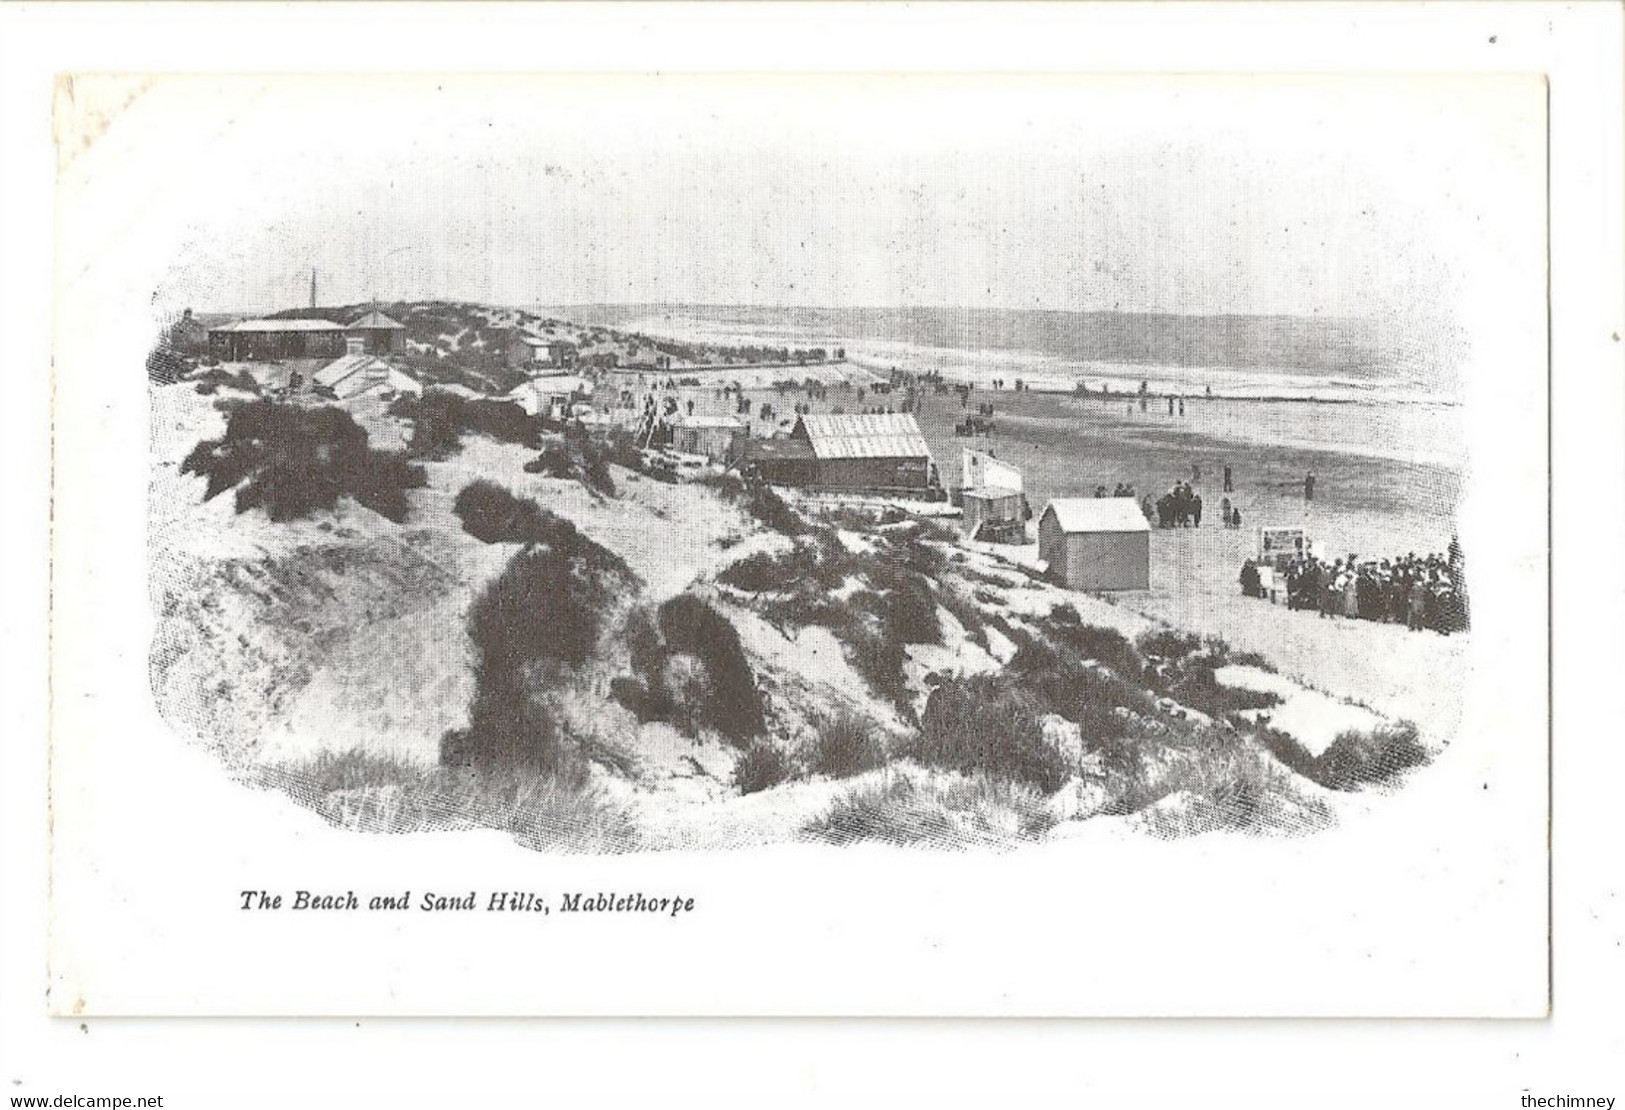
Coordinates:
column 946, row 466
column 582, row 515
column 1011, row 473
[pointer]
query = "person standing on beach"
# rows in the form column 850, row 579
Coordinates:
column 1182, row 406
column 1328, row 588
column 1170, row 404
column 1309, row 486
column 1228, row 488
column 1224, row 511
column 1196, row 509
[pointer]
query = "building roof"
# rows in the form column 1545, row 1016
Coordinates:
column 340, row 368
column 991, row 493
column 376, row 321
column 542, row 341
column 702, row 421
column 781, row 448
column 555, row 385
column 279, row 325
column 883, row 436
column 1098, row 514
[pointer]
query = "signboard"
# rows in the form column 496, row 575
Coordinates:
column 1280, row 544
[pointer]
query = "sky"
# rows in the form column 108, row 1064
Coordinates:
column 1326, row 196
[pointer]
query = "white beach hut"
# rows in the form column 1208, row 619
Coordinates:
column 1096, row 543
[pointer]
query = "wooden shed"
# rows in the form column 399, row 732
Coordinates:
column 1096, row 543
column 869, row 452
column 993, row 513
column 718, row 438
column 536, row 354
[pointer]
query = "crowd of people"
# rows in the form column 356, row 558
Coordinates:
column 1421, row 592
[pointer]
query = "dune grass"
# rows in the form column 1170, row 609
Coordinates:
column 546, row 811
column 920, row 809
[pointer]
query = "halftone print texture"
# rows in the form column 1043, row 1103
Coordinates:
column 648, row 465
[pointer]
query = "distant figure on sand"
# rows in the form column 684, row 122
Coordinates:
column 1224, row 510
column 1309, row 486
column 1196, row 509
column 1228, row 488
column 1182, row 406
column 1170, row 406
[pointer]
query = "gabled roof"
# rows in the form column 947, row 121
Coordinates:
column 991, row 493
column 280, row 325
column 376, row 321
column 339, row 369
column 884, row 436
column 1098, row 514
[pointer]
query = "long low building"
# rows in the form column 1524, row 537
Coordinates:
column 272, row 340
column 372, row 333
column 854, row 452
column 1096, row 543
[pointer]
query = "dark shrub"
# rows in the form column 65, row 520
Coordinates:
column 1105, row 645
column 1166, row 643
column 988, row 723
column 1356, row 759
column 643, row 643
column 1251, row 659
column 381, row 482
column 553, row 462
column 507, row 730
column 733, row 706
column 532, row 612
column 846, row 744
column 531, row 618
column 292, row 460
column 166, row 366
column 761, row 501
column 492, row 514
column 634, row 694
column 814, row 560
column 918, row 555
column 761, row 767
column 439, row 420
column 908, row 606
column 880, row 661
column 758, row 572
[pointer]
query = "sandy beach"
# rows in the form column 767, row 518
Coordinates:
column 1388, row 478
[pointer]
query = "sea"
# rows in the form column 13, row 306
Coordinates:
column 1376, row 415
column 1330, row 359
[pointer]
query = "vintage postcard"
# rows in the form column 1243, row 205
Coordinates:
column 819, row 544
